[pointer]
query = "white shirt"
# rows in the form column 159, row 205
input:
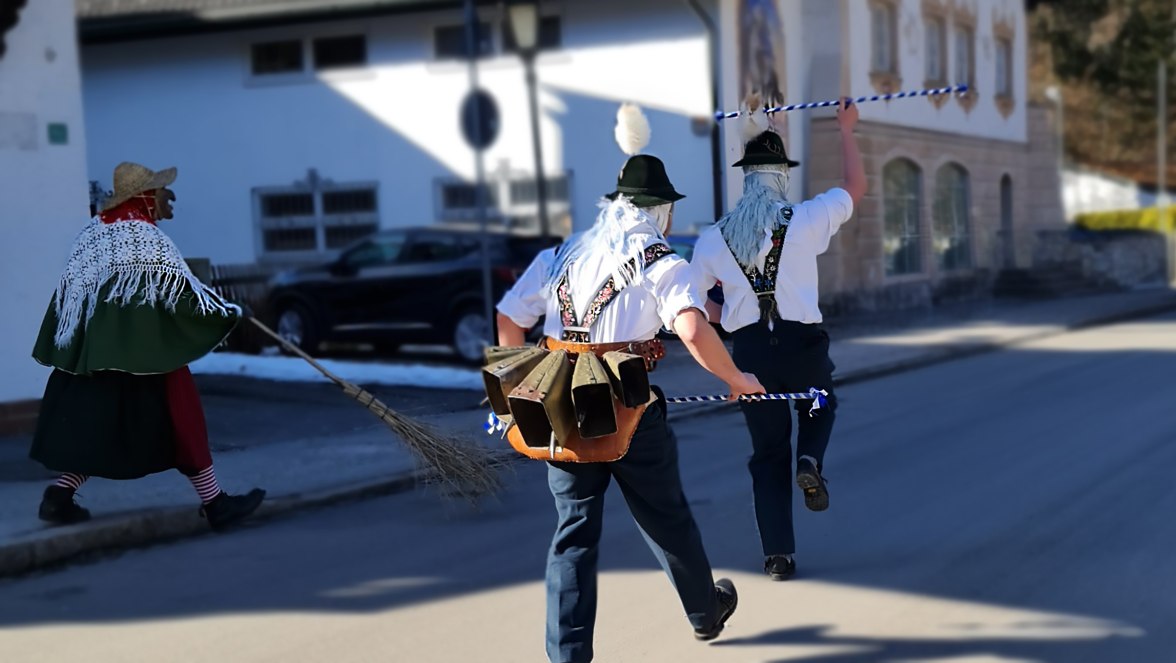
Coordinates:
column 638, row 311
column 814, row 222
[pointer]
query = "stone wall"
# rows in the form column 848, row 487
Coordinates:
column 1116, row 259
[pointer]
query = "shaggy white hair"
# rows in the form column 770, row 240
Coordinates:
column 765, row 189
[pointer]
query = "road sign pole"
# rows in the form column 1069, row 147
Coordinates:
column 471, row 16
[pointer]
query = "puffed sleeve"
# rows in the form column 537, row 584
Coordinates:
column 673, row 284
column 816, row 221
column 526, row 302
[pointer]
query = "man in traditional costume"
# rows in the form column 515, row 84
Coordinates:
column 764, row 252
column 127, row 318
column 607, row 289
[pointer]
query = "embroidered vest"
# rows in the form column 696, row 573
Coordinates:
column 577, row 330
column 763, row 284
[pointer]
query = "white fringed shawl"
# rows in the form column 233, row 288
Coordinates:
column 136, row 258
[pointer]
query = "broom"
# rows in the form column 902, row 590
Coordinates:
column 462, row 469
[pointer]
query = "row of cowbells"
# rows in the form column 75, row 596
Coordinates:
column 573, row 396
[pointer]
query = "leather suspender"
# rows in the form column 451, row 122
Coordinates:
column 577, row 330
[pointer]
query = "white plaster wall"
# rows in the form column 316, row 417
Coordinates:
column 984, row 120
column 43, row 187
column 194, row 105
column 1086, row 191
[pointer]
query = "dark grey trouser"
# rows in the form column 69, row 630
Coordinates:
column 793, row 357
column 648, row 478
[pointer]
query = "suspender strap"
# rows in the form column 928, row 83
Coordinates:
column 763, row 284
column 576, row 330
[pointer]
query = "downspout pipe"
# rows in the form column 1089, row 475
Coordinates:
column 712, row 33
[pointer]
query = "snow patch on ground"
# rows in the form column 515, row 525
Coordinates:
column 295, row 369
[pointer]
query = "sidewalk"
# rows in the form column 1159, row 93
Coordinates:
column 312, row 468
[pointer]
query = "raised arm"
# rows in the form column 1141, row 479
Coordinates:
column 854, row 169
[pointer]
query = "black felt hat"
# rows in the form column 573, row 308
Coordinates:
column 765, row 149
column 643, row 180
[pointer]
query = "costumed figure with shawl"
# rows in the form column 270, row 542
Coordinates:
column 582, row 401
column 764, row 253
column 127, row 318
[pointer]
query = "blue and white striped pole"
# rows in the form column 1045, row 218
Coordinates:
column 720, row 115
column 819, row 397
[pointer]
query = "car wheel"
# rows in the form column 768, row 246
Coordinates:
column 470, row 333
column 297, row 326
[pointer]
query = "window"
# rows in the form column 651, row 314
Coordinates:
column 277, row 57
column 550, row 35
column 884, row 46
column 441, row 248
column 952, row 241
column 318, row 221
column 449, row 41
column 378, row 251
column 935, row 65
column 965, row 56
column 902, row 203
column 526, row 191
column 463, row 197
column 1004, row 68
column 340, row 52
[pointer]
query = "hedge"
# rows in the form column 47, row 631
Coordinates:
column 1132, row 219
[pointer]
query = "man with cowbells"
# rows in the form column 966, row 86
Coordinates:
column 127, row 318
column 612, row 286
column 764, row 252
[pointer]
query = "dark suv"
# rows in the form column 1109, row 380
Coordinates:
column 409, row 285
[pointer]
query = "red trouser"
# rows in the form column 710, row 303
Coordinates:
column 183, row 403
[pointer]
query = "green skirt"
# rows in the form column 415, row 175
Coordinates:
column 111, row 424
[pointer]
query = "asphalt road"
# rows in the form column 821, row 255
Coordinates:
column 1016, row 506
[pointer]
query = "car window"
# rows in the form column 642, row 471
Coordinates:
column 384, row 250
column 440, row 248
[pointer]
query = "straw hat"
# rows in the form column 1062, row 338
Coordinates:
column 131, row 179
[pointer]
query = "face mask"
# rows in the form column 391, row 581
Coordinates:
column 163, row 200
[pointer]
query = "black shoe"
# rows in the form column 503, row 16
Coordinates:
column 808, row 477
column 225, row 510
column 58, row 507
column 779, row 567
column 728, row 599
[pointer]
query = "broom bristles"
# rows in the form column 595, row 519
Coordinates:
column 468, row 470
column 465, row 469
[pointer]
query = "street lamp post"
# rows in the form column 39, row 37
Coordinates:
column 524, row 26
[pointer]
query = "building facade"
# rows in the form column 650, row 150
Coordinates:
column 958, row 185
column 296, row 134
column 297, row 131
column 42, row 158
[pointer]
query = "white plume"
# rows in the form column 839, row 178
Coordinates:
column 632, row 130
column 755, row 121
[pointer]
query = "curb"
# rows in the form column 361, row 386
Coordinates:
column 56, row 546
column 950, row 353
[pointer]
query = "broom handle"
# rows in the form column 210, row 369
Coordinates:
column 290, row 347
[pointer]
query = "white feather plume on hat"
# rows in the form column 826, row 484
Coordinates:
column 632, row 132
column 755, row 121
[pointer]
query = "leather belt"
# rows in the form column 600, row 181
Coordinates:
column 652, row 350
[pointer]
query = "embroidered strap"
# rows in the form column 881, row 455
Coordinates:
column 577, row 330
column 763, row 284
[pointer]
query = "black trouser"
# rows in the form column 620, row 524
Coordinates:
column 792, row 357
